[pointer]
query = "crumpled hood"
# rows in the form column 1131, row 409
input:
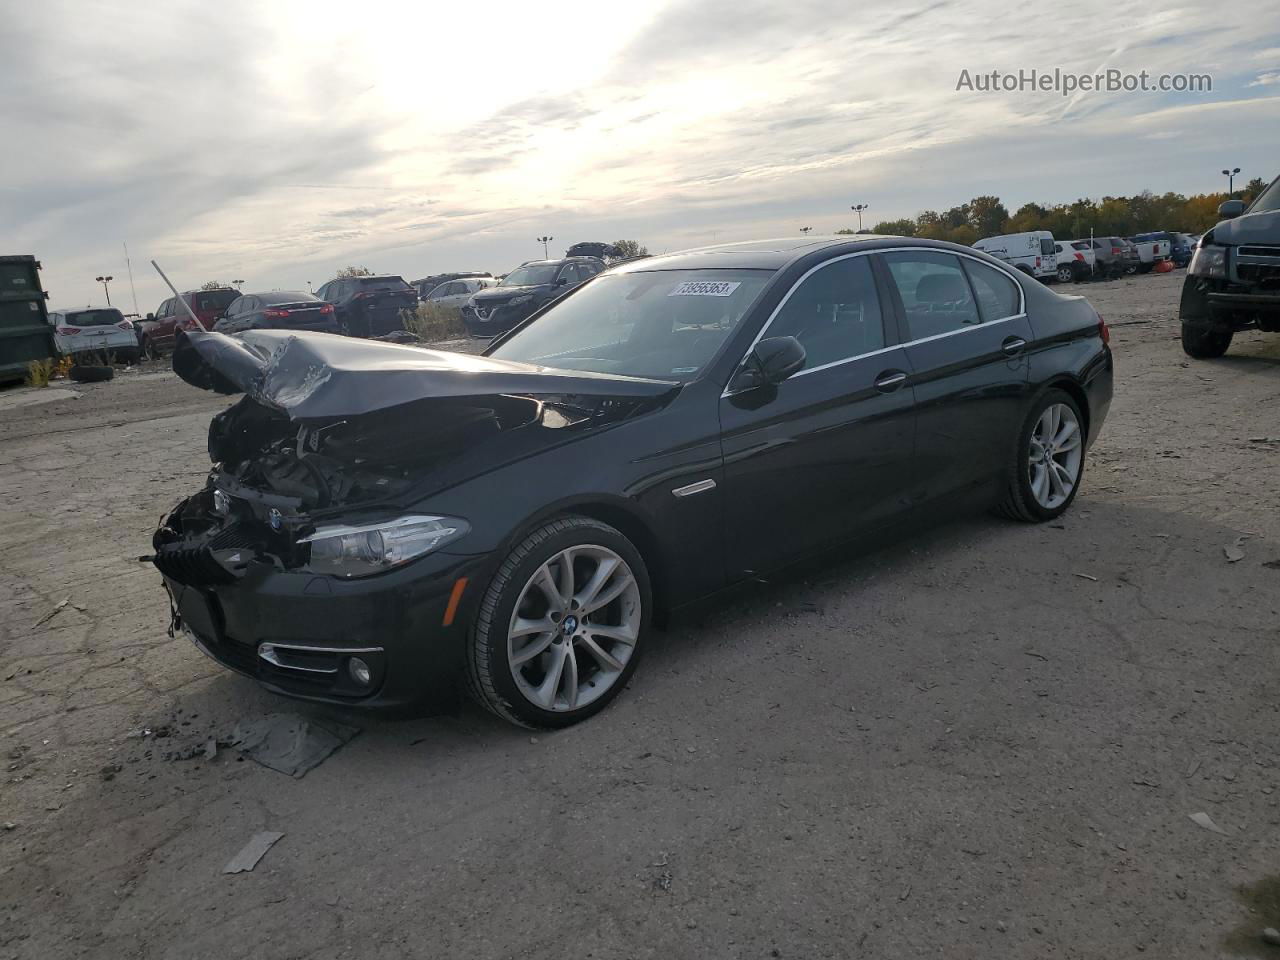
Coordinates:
column 309, row 375
column 1250, row 228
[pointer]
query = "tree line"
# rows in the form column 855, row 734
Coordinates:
column 1110, row 216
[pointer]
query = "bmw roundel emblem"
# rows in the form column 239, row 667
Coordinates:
column 275, row 518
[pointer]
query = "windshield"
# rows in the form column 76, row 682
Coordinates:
column 530, row 276
column 664, row 324
column 1269, row 198
column 94, row 318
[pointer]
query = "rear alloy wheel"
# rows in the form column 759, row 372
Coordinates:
column 1065, row 273
column 559, row 629
column 1049, row 461
column 1205, row 341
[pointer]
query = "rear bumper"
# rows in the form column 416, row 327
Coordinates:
column 314, row 626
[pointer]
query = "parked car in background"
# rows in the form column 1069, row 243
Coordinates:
column 425, row 285
column 1075, row 260
column 1114, row 256
column 158, row 331
column 1152, row 248
column 1034, row 252
column 369, row 306
column 1233, row 281
column 96, row 329
column 278, row 310
column 457, row 293
column 419, row 521
column 529, row 287
column 1182, row 246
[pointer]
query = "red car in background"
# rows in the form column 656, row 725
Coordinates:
column 157, row 333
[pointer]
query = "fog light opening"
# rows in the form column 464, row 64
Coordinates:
column 359, row 671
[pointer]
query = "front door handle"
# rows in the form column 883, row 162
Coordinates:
column 890, row 381
column 1013, row 346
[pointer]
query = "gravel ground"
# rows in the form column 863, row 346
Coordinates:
column 985, row 740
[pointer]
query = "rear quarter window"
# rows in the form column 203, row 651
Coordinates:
column 998, row 294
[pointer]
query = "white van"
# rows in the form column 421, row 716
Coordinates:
column 1033, row 253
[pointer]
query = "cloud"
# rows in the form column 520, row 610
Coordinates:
column 280, row 141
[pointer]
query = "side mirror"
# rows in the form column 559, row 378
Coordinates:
column 1230, row 209
column 562, row 282
column 770, row 362
column 151, row 316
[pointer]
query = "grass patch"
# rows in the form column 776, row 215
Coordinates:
column 434, row 323
column 39, row 373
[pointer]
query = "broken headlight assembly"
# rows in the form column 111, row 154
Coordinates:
column 1209, row 260
column 365, row 549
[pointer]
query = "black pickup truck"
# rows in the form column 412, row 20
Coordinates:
column 1233, row 280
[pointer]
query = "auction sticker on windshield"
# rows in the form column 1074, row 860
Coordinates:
column 705, row 288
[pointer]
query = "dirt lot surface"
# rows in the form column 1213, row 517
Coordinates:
column 982, row 741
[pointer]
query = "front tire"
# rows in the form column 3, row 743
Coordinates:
column 1065, row 273
column 560, row 628
column 1204, row 341
column 1048, row 462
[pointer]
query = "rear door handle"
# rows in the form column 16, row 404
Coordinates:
column 1013, row 346
column 890, row 381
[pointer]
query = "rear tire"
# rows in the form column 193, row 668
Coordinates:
column 1065, row 273
column 505, row 674
column 1024, row 499
column 1205, row 341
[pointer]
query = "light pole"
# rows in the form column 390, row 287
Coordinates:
column 237, row 283
column 544, row 241
column 105, row 289
column 1231, row 180
column 806, row 230
column 858, row 208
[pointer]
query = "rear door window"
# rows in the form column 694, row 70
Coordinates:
column 997, row 293
column 935, row 293
column 834, row 313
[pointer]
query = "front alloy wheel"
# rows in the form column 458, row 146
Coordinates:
column 559, row 629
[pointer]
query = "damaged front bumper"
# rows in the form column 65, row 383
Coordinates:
column 393, row 640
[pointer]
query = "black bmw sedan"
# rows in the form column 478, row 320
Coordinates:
column 384, row 523
column 277, row 310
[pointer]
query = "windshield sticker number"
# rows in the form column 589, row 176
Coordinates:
column 705, row 288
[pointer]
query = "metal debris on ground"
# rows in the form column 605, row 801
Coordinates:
column 252, row 852
column 1233, row 554
column 1205, row 821
column 1086, row 576
column 54, row 612
column 1272, row 936
column 289, row 743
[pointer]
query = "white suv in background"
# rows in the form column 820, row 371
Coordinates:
column 94, row 330
column 1076, row 260
column 1034, row 252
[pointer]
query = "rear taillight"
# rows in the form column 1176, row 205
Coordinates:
column 1037, row 261
column 1103, row 332
column 68, row 331
column 277, row 314
column 1116, row 251
column 327, row 308
column 1080, row 257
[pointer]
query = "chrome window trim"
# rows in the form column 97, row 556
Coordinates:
column 1022, row 304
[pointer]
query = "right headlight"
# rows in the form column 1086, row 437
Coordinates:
column 1209, row 260
column 364, row 549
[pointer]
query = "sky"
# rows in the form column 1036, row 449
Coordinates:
column 276, row 141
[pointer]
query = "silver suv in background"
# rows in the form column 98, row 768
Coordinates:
column 456, row 294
